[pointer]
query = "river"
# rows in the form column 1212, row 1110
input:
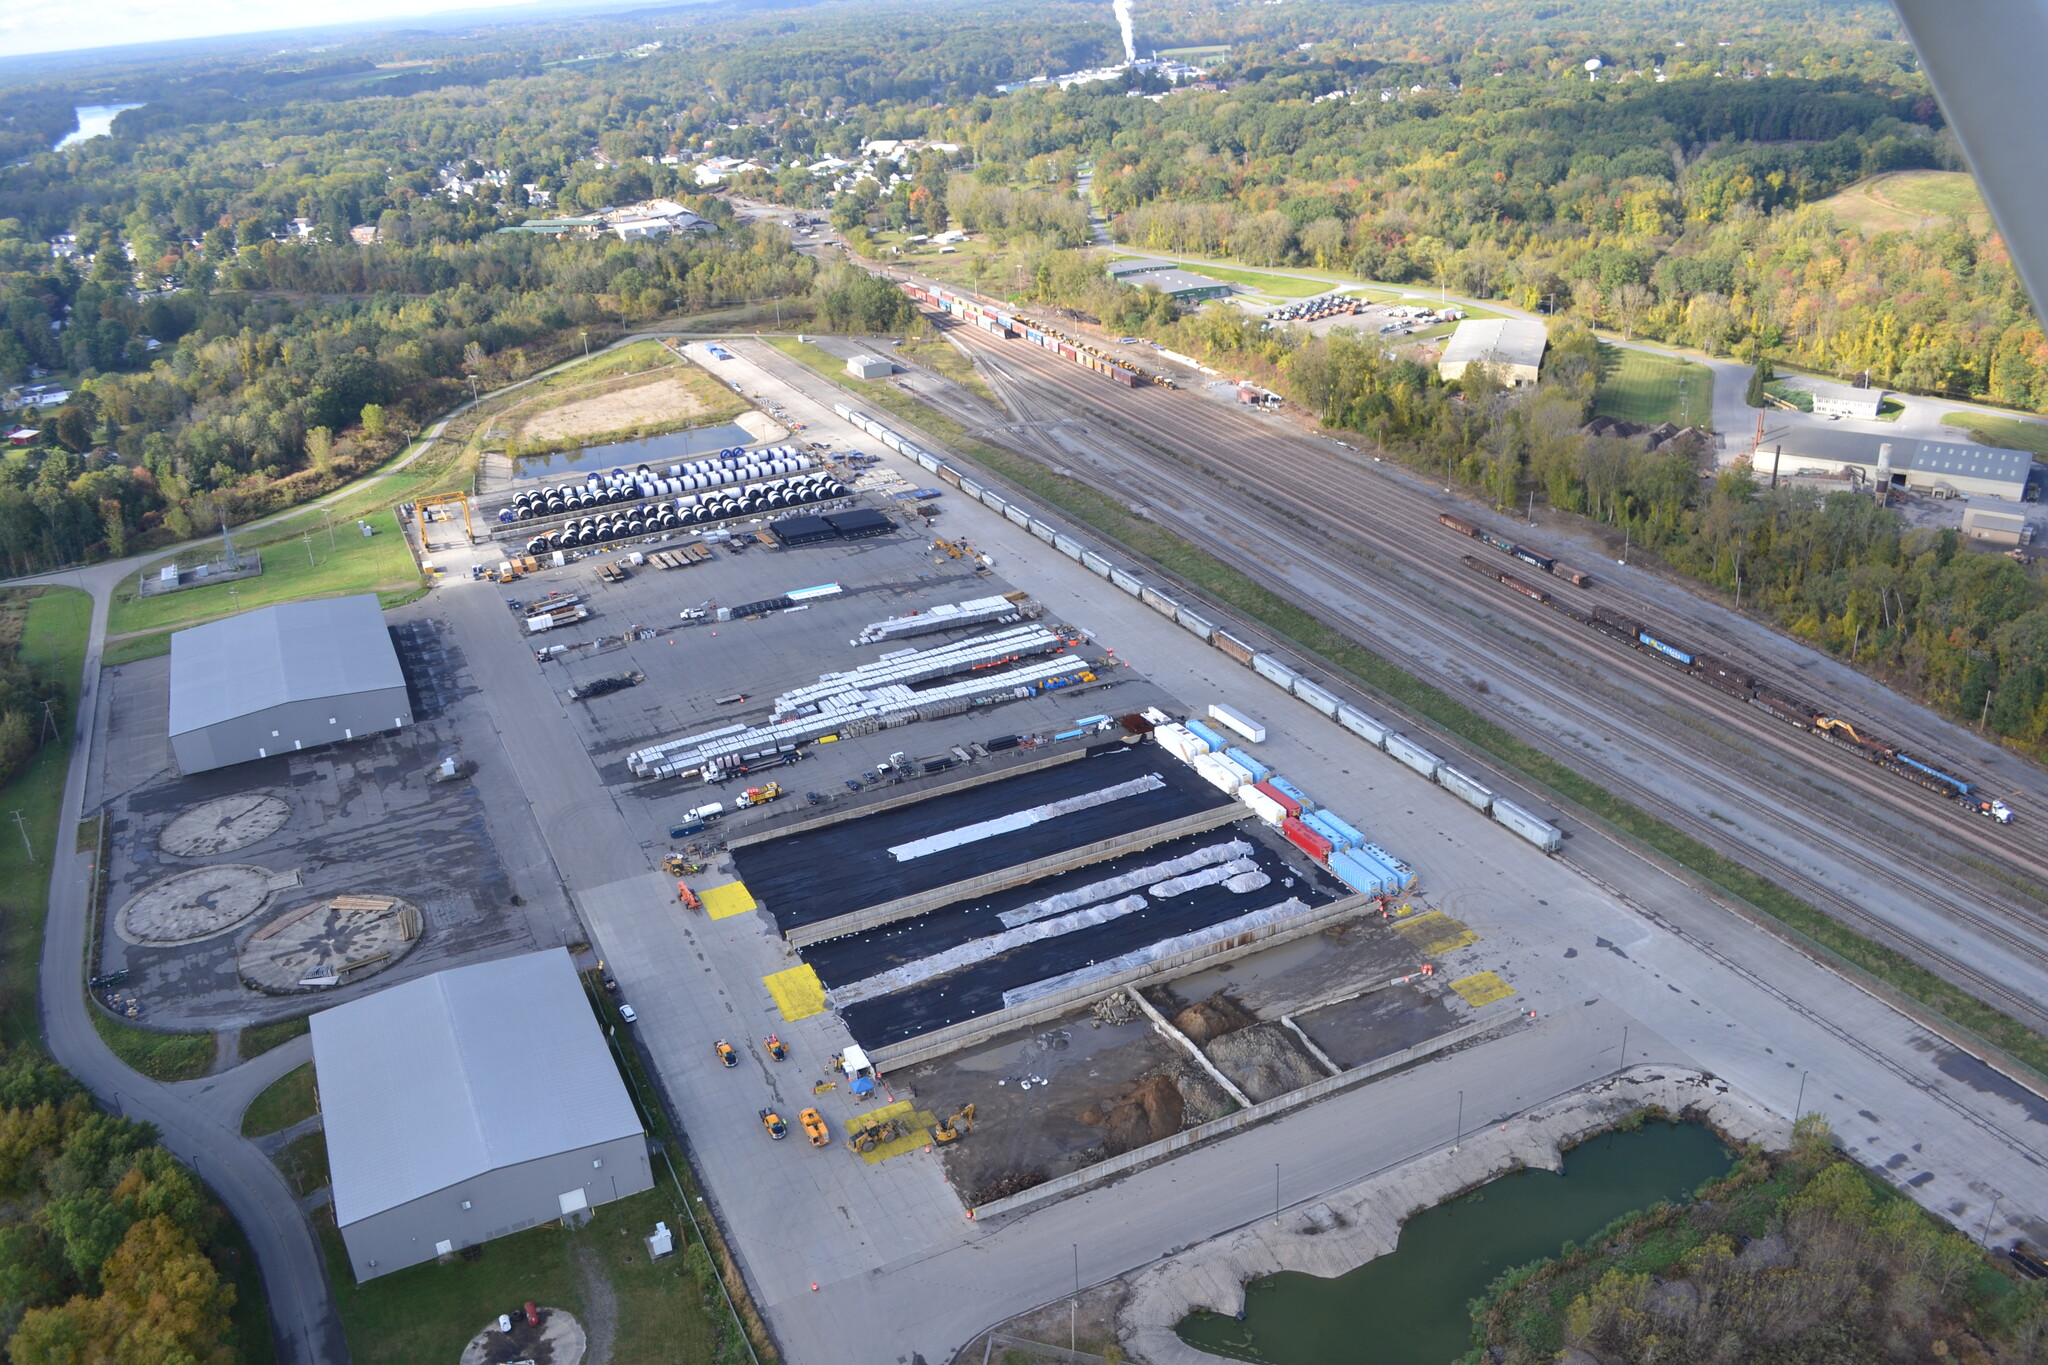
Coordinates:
column 94, row 120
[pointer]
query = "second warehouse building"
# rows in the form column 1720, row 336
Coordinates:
column 283, row 678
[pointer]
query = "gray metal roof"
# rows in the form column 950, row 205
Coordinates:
column 299, row 651
column 1170, row 281
column 1497, row 341
column 437, row 1080
column 1935, row 459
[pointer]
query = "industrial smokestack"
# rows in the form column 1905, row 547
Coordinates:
column 1123, row 19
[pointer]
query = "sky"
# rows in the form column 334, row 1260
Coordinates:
column 28, row 26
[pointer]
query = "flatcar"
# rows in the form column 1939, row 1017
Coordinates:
column 1726, row 677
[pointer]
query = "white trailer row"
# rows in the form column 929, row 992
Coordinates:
column 1386, row 738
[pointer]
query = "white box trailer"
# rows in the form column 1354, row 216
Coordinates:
column 1544, row 835
column 1237, row 720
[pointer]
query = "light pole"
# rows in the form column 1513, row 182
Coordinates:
column 1800, row 1103
column 1624, row 1047
column 22, row 825
column 585, row 334
column 1074, row 1305
column 1276, row 1189
column 1459, row 1131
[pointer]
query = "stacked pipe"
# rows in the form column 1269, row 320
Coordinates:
column 599, row 490
column 689, row 510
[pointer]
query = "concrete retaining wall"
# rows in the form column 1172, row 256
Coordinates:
column 906, row 798
column 905, row 907
column 1230, row 1123
column 969, row 1032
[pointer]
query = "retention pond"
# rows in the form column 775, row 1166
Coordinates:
column 1410, row 1307
column 673, row 448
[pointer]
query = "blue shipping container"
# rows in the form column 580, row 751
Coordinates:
column 1352, row 835
column 1336, row 831
column 1368, row 856
column 1259, row 771
column 1217, row 744
column 1286, row 788
column 1367, row 879
column 1401, row 869
column 1654, row 643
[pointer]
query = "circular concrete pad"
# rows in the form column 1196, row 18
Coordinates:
column 188, row 906
column 557, row 1341
column 326, row 942
column 223, row 826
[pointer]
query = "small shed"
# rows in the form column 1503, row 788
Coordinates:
column 870, row 367
column 1994, row 528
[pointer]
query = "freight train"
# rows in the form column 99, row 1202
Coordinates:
column 1015, row 327
column 1738, row 683
column 1535, row 559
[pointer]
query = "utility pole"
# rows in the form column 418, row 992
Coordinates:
column 1074, row 1306
column 585, row 334
column 22, row 825
column 307, row 537
column 1986, row 713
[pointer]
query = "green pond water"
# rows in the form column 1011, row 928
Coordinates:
column 1411, row 1308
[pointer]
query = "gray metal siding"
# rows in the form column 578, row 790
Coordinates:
column 502, row 1202
column 297, row 725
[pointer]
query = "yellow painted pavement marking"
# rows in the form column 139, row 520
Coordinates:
column 1482, row 988
column 723, row 902
column 798, row 992
column 1435, row 934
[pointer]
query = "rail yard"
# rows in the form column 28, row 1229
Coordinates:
column 1293, row 515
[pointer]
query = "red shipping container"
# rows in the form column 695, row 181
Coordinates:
column 1306, row 839
column 1280, row 799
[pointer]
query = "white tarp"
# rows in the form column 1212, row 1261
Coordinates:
column 1134, row 880
column 979, row 950
column 1153, row 952
column 1023, row 819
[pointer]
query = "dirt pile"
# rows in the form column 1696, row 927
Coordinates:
column 1212, row 1018
column 1264, row 1060
column 1004, row 1185
column 1152, row 1110
column 1201, row 1098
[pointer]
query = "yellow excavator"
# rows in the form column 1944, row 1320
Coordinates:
column 956, row 1127
column 953, row 549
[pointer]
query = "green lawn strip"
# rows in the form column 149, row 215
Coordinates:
column 1284, row 619
column 939, row 355
column 260, row 1038
column 2007, row 433
column 304, row 1163
column 1799, row 398
column 159, row 1056
column 249, row 1319
column 53, row 645
column 428, row 1312
column 289, row 1099
column 1650, row 389
column 303, row 556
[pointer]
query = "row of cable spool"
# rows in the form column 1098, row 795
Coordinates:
column 736, row 465
column 696, row 509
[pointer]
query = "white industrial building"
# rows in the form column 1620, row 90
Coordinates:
column 1840, row 400
column 470, row 1104
column 281, row 679
column 1512, row 347
column 870, row 367
column 1942, row 468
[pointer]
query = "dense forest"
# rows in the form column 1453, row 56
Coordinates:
column 102, row 1238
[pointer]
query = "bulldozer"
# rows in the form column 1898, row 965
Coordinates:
column 956, row 1127
column 873, row 1135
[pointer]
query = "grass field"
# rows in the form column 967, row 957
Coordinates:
column 1907, row 201
column 2007, row 433
column 938, row 354
column 53, row 644
column 1645, row 387
column 635, row 391
column 426, row 1312
column 289, row 1099
column 304, row 556
column 159, row 1056
column 304, row 1163
column 256, row 1041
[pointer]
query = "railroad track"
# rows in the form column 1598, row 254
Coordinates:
column 2000, row 929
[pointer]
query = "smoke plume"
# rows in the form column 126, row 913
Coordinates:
column 1123, row 19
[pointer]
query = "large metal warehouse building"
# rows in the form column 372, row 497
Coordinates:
column 1512, row 346
column 1961, row 468
column 470, row 1104
column 282, row 678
